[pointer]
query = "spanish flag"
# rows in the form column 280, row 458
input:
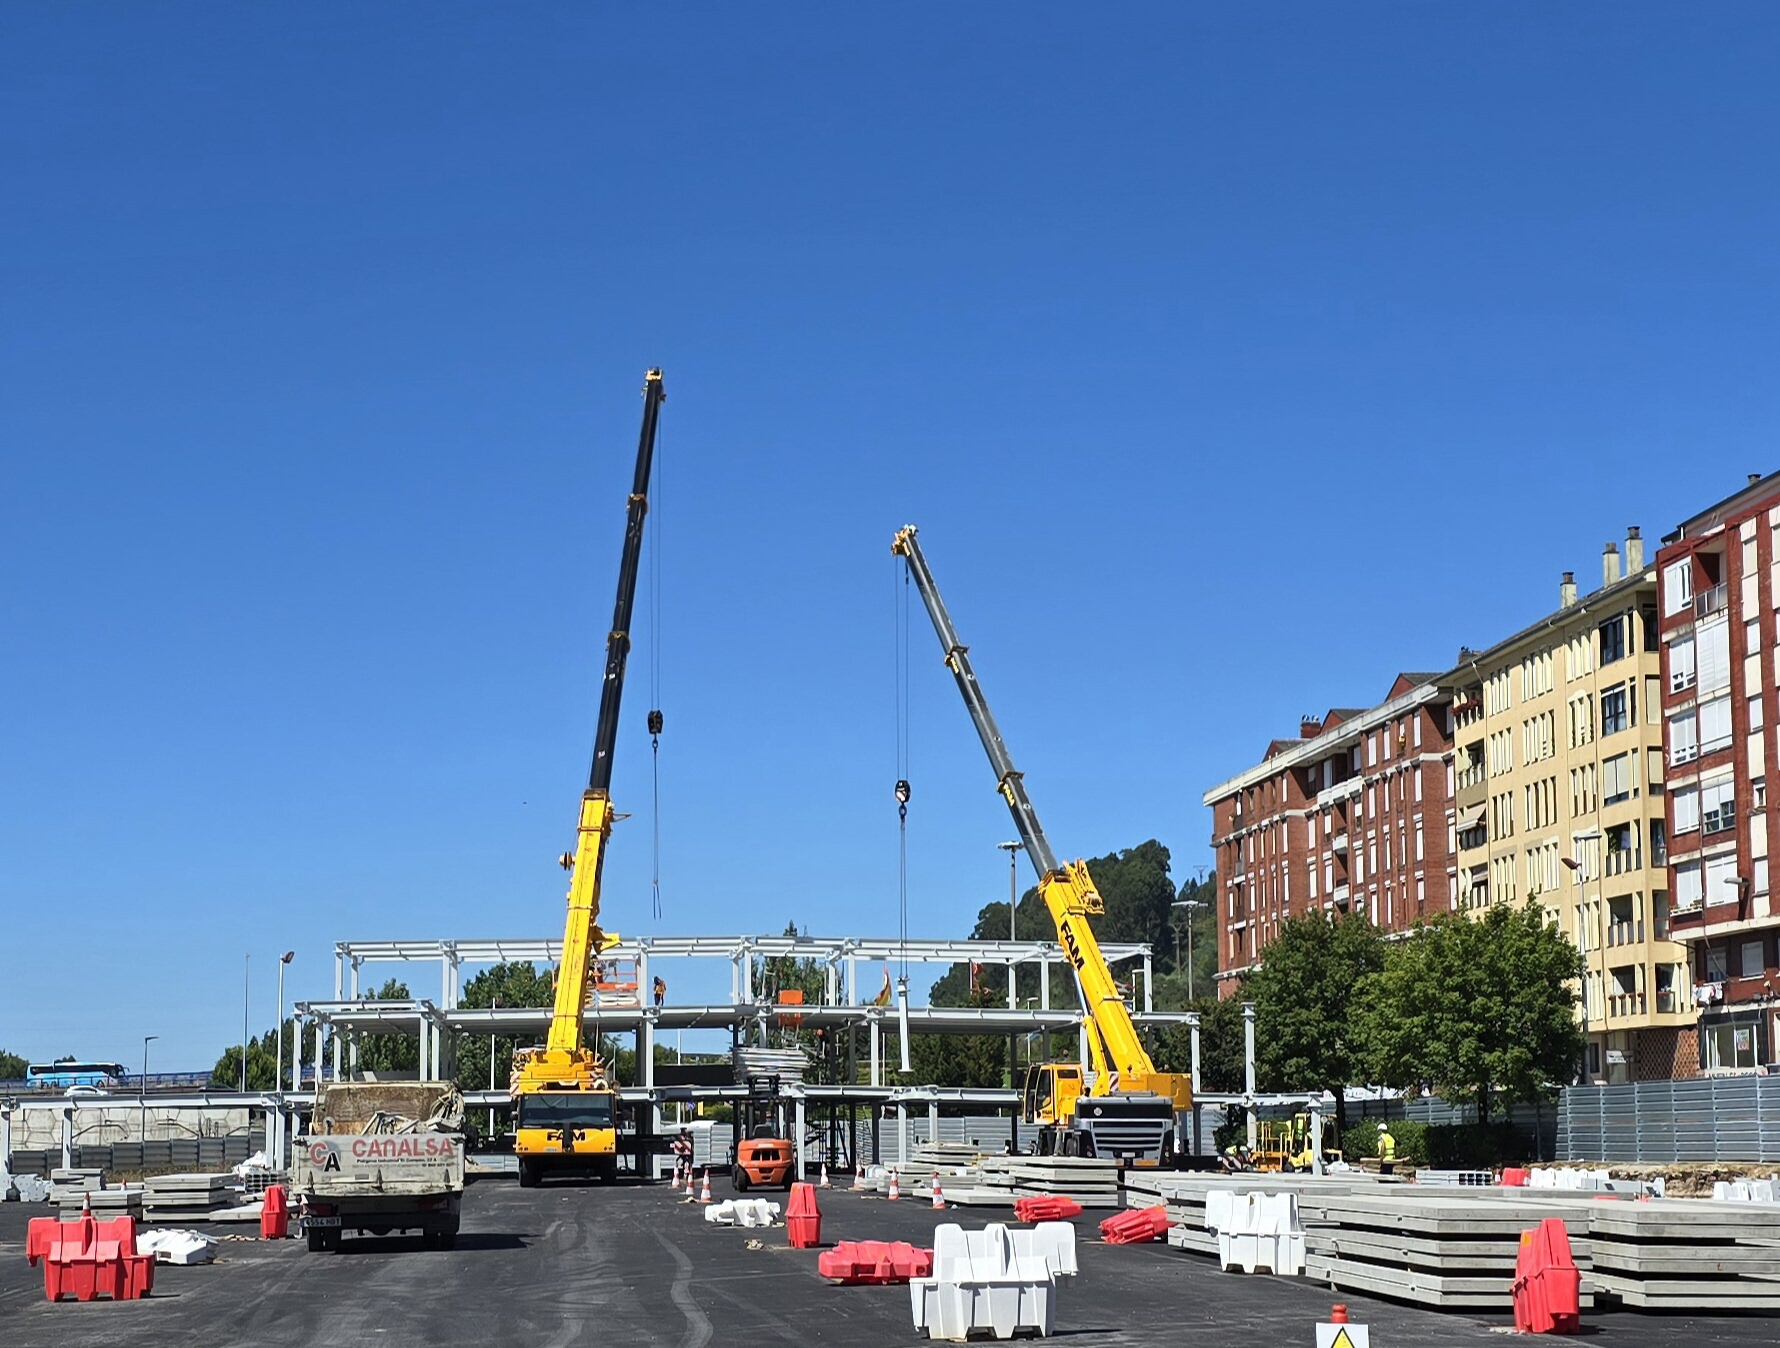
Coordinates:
column 883, row 998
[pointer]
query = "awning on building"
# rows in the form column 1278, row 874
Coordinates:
column 1472, row 818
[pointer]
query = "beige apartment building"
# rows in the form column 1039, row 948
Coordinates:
column 1558, row 795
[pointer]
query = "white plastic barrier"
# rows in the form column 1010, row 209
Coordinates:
column 1262, row 1231
column 984, row 1280
column 1747, row 1191
column 1054, row 1242
column 743, row 1212
column 1571, row 1178
column 171, row 1245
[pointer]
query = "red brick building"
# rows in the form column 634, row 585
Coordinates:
column 1719, row 578
column 1355, row 814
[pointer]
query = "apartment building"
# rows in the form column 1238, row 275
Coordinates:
column 1352, row 815
column 1559, row 798
column 1720, row 577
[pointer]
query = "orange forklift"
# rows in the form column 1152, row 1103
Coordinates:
column 765, row 1155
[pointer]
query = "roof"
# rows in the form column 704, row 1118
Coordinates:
column 1713, row 515
column 1465, row 671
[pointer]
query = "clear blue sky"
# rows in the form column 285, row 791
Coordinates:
column 1231, row 358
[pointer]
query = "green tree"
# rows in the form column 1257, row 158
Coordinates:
column 1305, row 995
column 398, row 1052
column 513, row 985
column 264, row 1071
column 1476, row 1009
column 1220, row 1045
column 12, row 1067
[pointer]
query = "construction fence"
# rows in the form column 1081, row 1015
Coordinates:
column 211, row 1154
column 1710, row 1119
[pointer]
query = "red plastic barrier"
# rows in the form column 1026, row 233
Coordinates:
column 1514, row 1178
column 1547, row 1284
column 88, row 1259
column 275, row 1215
column 1046, row 1209
column 803, row 1219
column 1135, row 1228
column 874, row 1261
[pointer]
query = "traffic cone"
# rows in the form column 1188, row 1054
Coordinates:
column 858, row 1179
column 704, row 1195
column 676, row 1184
column 895, row 1188
column 939, row 1199
column 825, row 1183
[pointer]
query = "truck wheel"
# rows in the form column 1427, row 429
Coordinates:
column 447, row 1240
column 323, row 1239
column 608, row 1170
column 528, row 1174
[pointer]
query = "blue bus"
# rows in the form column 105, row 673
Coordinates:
column 59, row 1076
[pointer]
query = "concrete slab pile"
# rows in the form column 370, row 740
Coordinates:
column 188, row 1198
column 1688, row 1254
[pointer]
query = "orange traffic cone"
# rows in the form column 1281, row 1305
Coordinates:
column 858, row 1178
column 895, row 1188
column 939, row 1199
column 825, row 1183
column 704, row 1195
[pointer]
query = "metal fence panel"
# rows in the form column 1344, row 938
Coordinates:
column 1709, row 1119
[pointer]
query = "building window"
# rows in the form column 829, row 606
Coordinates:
column 1677, row 586
column 1758, row 790
column 1687, row 809
column 1614, row 717
column 1717, row 964
column 1682, row 673
column 1729, row 1047
column 1720, row 879
column 1689, row 886
column 1758, row 875
column 1612, row 640
column 1684, row 738
column 1755, row 712
column 1715, row 724
column 1718, row 806
column 1714, row 652
column 1751, row 959
column 1616, row 779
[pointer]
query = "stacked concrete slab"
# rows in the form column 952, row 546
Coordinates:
column 996, row 1181
column 1688, row 1254
column 188, row 1198
column 121, row 1200
column 1186, row 1197
column 1454, row 1249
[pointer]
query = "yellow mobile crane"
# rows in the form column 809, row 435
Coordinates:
column 564, row 1105
column 1124, row 1107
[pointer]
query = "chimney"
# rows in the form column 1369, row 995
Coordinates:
column 1610, row 565
column 1567, row 590
column 1309, row 727
column 1634, row 551
column 1754, row 478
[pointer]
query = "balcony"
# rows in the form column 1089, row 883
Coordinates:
column 1625, row 1004
column 1708, row 602
column 1624, row 861
column 1339, row 896
column 1625, row 931
column 1343, row 790
column 1339, row 842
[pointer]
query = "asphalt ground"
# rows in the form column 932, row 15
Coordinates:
column 572, row 1264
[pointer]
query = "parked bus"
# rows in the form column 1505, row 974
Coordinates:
column 60, row 1075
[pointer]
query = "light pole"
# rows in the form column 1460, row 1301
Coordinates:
column 246, row 980
column 1013, row 850
column 142, row 1092
column 1192, row 906
column 278, row 1071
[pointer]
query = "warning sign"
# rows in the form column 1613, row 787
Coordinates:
column 1343, row 1336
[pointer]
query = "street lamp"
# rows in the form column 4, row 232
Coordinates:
column 246, row 979
column 1013, row 850
column 142, row 1093
column 1191, row 905
column 278, row 1058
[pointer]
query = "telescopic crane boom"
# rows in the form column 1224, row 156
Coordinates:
column 1126, row 1107
column 564, row 1105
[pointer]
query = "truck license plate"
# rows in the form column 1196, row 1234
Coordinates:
column 321, row 1221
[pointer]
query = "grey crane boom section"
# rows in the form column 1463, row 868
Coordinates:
column 1008, row 778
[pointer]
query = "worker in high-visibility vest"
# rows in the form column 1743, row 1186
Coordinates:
column 1387, row 1150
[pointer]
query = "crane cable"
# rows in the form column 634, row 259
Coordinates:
column 900, row 613
column 655, row 718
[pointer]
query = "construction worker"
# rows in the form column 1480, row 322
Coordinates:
column 659, row 989
column 1387, row 1150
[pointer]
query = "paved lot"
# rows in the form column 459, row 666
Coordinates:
column 556, row 1266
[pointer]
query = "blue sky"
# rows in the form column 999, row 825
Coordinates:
column 1231, row 358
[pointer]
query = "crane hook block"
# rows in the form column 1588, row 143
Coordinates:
column 902, row 791
column 655, row 722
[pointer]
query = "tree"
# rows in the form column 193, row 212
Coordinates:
column 1220, row 1046
column 1473, row 1009
column 960, row 1059
column 1305, row 995
column 264, row 1071
column 509, row 984
column 390, row 1052
column 12, row 1067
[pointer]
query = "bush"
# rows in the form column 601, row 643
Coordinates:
column 1443, row 1146
column 1360, row 1141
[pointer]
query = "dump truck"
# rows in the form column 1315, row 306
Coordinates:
column 381, row 1157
